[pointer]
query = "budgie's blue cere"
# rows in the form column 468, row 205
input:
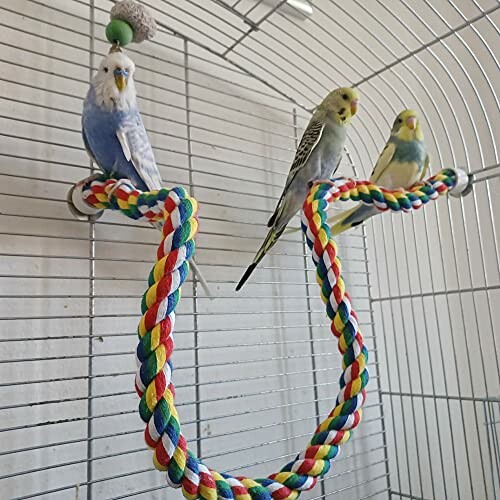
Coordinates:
column 112, row 128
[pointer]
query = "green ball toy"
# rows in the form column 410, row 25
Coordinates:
column 119, row 32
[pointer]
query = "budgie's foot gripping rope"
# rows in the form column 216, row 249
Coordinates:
column 154, row 375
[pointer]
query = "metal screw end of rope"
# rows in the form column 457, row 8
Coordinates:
column 77, row 205
column 463, row 186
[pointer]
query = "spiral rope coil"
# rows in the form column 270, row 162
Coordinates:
column 154, row 375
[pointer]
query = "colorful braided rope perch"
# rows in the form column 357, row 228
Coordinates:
column 154, row 376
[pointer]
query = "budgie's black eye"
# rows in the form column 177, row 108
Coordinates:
column 106, row 70
column 345, row 97
column 400, row 121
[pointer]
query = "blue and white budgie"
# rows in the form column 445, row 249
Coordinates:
column 403, row 162
column 318, row 157
column 112, row 128
column 113, row 132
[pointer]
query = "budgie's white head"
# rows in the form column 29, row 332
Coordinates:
column 114, row 82
column 340, row 105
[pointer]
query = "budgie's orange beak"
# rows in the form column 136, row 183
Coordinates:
column 411, row 122
column 354, row 106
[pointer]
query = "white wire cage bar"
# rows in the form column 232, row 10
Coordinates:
column 225, row 90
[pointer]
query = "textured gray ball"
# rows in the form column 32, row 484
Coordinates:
column 138, row 17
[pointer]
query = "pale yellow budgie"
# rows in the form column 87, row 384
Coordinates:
column 403, row 162
column 317, row 157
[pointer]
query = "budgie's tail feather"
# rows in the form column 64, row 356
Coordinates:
column 271, row 220
column 351, row 218
column 196, row 269
column 247, row 274
column 269, row 242
column 277, row 212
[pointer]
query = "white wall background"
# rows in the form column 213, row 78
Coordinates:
column 263, row 362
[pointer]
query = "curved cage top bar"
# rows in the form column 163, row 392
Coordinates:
column 426, row 53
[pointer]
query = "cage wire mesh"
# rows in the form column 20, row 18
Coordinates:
column 225, row 91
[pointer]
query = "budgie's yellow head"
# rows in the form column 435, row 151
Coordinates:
column 340, row 105
column 407, row 126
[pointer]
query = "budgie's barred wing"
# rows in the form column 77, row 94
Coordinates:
column 137, row 149
column 383, row 162
column 310, row 139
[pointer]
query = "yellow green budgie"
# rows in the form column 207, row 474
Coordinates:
column 317, row 157
column 403, row 162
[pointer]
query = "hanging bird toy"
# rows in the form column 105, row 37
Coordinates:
column 130, row 22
